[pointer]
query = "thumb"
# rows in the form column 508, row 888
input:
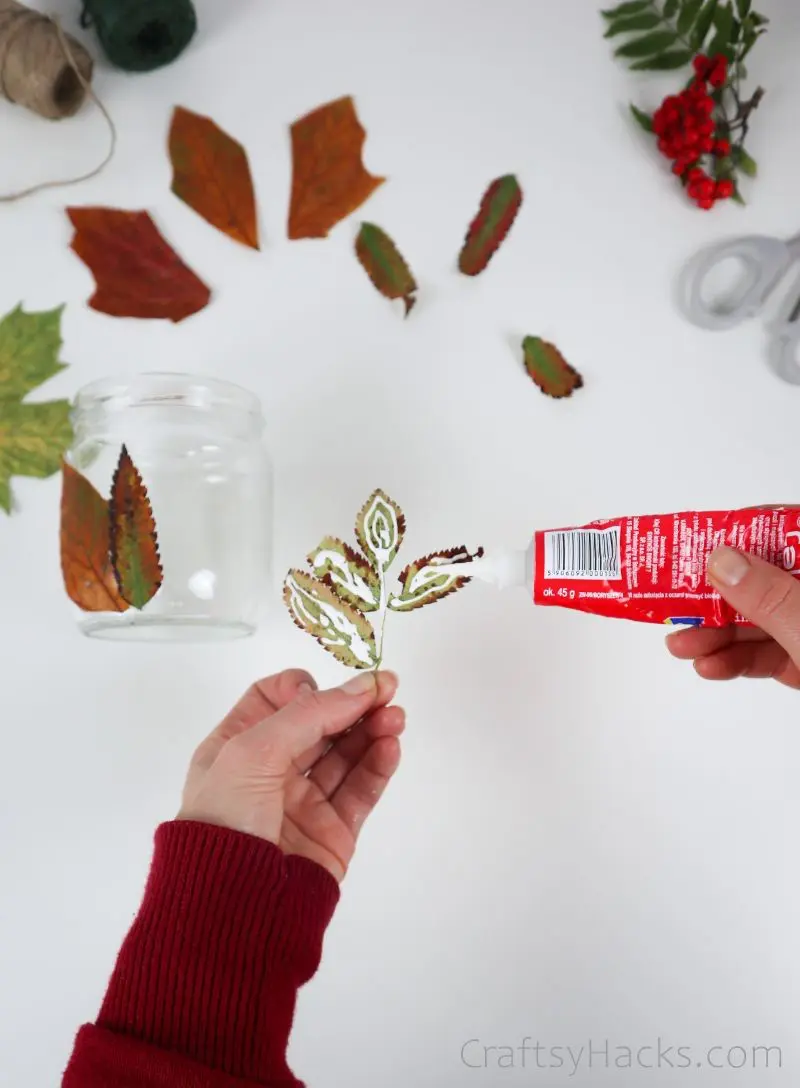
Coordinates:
column 761, row 592
column 312, row 716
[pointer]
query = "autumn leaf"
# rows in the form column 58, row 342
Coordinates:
column 134, row 542
column 211, row 174
column 380, row 528
column 338, row 627
column 385, row 265
column 347, row 573
column 33, row 437
column 549, row 369
column 329, row 180
column 421, row 582
column 494, row 220
column 137, row 273
column 89, row 578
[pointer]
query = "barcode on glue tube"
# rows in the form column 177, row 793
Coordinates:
column 582, row 553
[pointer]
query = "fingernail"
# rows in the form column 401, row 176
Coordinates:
column 360, row 684
column 728, row 567
column 304, row 688
column 391, row 677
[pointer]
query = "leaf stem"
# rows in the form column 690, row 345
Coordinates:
column 383, row 608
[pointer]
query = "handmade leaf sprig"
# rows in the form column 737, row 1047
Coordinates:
column 702, row 130
column 110, row 560
column 33, row 437
column 344, row 603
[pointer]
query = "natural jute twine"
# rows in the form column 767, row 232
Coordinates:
column 47, row 71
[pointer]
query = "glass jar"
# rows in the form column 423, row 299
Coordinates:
column 198, row 446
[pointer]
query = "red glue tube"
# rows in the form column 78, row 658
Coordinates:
column 652, row 568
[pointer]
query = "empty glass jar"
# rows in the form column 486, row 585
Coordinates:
column 198, row 447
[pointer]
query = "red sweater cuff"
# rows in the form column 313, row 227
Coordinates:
column 229, row 929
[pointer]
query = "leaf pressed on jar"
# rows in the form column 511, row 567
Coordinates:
column 385, row 265
column 498, row 210
column 422, row 583
column 135, row 558
column 89, row 577
column 211, row 174
column 329, row 180
column 338, row 627
column 549, row 369
column 136, row 271
column 33, row 436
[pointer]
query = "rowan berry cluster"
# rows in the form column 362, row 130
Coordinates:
column 686, row 132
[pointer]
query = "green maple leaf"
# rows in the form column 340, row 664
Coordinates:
column 33, row 437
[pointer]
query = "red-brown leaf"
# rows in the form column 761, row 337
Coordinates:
column 137, row 273
column 85, row 546
column 134, row 541
column 212, row 175
column 496, row 215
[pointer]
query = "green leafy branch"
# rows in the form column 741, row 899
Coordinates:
column 344, row 602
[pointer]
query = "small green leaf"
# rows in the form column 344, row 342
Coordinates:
column 745, row 163
column 705, row 21
column 548, row 368
column 667, row 62
column 380, row 528
column 670, row 8
column 347, row 573
column 689, row 10
column 337, row 626
column 725, row 22
column 646, row 21
column 648, row 45
column 743, row 7
column 642, row 118
column 422, row 583
column 737, row 197
column 633, row 7
column 385, row 265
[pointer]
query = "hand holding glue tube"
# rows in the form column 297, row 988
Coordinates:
column 733, row 577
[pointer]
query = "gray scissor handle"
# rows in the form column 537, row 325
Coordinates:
column 764, row 259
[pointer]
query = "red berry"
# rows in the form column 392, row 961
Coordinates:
column 720, row 61
column 722, row 147
column 706, row 128
column 706, row 105
column 705, row 203
column 706, row 144
column 706, row 187
column 725, row 189
column 696, row 174
column 702, row 64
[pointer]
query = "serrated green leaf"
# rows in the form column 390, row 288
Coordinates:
column 549, row 369
column 648, row 45
column 380, row 528
column 422, row 583
column 385, row 265
column 705, row 21
column 670, row 8
column 667, row 62
column 643, row 119
column 646, row 21
column 725, row 24
column 338, row 627
column 29, row 347
column 689, row 10
column 33, row 439
column 632, row 7
column 744, row 162
column 348, row 574
column 743, row 8
column 737, row 197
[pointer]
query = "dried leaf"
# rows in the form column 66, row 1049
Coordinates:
column 347, row 573
column 423, row 584
column 549, row 369
column 385, row 265
column 134, row 541
column 380, row 528
column 329, row 180
column 33, row 437
column 137, row 273
column 211, row 174
column 497, row 212
column 337, row 626
column 89, row 578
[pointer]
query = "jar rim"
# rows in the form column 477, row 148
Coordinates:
column 163, row 387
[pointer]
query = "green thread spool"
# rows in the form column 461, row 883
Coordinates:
column 140, row 35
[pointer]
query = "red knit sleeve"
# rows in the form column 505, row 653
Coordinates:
column 204, row 990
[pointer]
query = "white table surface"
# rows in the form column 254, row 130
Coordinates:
column 585, row 842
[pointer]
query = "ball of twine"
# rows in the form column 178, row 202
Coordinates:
column 140, row 35
column 35, row 69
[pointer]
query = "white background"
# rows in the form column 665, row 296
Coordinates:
column 585, row 841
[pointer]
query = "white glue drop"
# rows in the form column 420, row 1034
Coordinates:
column 500, row 567
column 202, row 584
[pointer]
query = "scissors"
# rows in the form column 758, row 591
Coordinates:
column 766, row 261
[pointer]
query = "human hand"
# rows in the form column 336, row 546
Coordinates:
column 767, row 596
column 299, row 767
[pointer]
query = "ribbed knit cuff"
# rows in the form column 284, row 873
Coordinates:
column 229, row 929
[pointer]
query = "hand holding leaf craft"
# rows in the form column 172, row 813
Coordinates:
column 345, row 602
